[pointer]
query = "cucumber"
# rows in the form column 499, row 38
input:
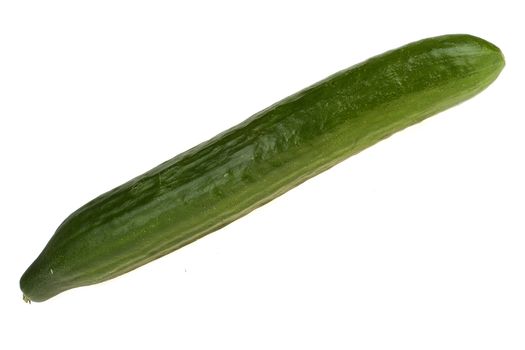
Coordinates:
column 226, row 177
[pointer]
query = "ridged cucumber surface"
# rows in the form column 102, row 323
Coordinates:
column 226, row 177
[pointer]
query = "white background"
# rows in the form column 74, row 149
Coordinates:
column 416, row 243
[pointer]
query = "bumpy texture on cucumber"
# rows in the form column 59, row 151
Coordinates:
column 222, row 179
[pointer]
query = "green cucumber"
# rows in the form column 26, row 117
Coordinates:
column 226, row 177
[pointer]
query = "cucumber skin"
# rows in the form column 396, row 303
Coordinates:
column 222, row 179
